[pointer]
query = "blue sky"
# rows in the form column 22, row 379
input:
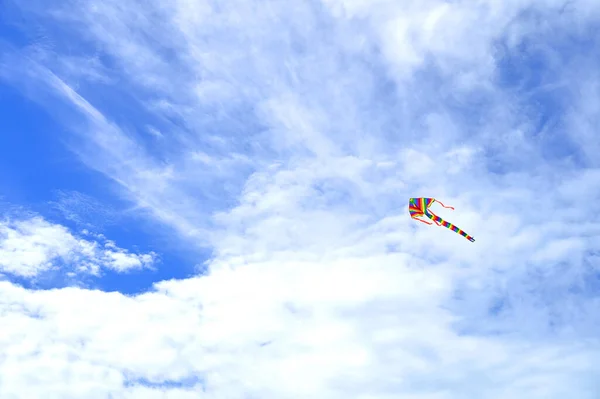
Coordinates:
column 211, row 198
column 41, row 175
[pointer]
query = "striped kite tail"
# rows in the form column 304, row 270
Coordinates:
column 450, row 226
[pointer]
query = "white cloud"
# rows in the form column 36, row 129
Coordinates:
column 300, row 137
column 32, row 246
column 369, row 327
column 84, row 210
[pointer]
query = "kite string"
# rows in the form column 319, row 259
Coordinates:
column 440, row 202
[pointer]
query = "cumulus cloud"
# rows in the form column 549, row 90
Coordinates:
column 289, row 144
column 33, row 246
column 361, row 330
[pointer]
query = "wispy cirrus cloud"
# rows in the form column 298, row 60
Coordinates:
column 83, row 210
column 288, row 143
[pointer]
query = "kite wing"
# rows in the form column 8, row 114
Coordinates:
column 418, row 207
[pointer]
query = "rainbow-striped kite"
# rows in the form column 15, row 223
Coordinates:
column 420, row 207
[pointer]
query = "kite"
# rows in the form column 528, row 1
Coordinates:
column 420, row 207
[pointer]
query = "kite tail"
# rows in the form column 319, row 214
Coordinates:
column 450, row 226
